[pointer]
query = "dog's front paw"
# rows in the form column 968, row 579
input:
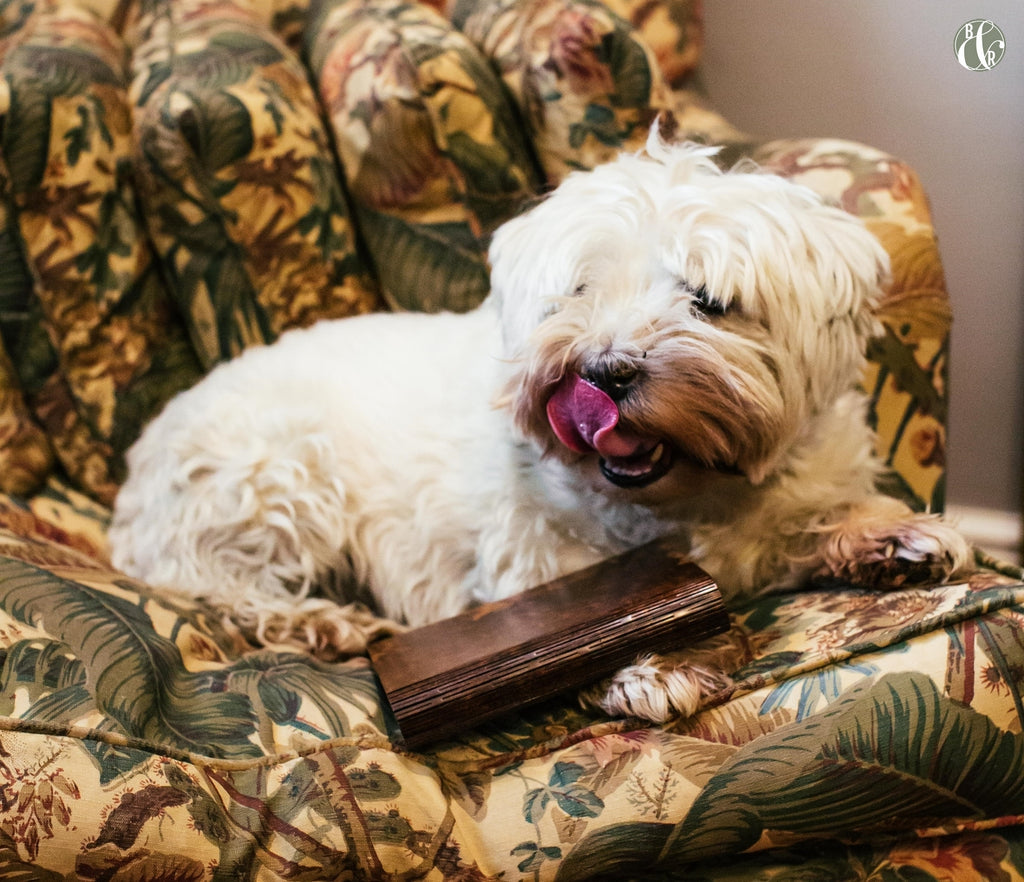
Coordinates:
column 874, row 550
column 658, row 689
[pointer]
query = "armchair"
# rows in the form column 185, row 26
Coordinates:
column 179, row 180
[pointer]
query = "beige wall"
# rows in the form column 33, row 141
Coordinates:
column 883, row 72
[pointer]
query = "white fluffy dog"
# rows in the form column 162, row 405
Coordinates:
column 668, row 350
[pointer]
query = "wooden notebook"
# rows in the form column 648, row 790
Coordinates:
column 444, row 678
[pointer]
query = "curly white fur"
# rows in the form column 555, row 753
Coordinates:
column 411, row 460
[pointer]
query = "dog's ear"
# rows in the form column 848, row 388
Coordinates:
column 861, row 270
column 511, row 251
column 850, row 268
column 531, row 267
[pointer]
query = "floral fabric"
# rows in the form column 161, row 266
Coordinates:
column 586, row 85
column 428, row 142
column 91, row 334
column 241, row 196
column 26, row 456
column 674, row 31
column 176, row 184
column 143, row 737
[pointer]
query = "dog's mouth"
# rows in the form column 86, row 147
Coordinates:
column 640, row 469
column 586, row 419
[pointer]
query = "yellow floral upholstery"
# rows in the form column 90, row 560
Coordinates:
column 92, row 334
column 180, row 179
column 585, row 83
column 426, row 137
column 243, row 202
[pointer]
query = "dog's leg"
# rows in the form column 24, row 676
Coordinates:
column 326, row 629
column 249, row 519
column 526, row 541
column 660, row 688
column 876, row 542
column 880, row 543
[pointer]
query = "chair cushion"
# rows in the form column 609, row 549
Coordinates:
column 431, row 149
column 146, row 735
column 586, row 85
column 237, row 182
column 91, row 334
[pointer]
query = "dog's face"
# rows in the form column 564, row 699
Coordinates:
column 665, row 319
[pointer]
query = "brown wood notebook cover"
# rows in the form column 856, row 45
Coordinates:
column 444, row 678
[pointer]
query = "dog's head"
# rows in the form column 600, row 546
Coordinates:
column 662, row 316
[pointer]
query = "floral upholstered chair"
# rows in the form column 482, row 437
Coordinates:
column 180, row 179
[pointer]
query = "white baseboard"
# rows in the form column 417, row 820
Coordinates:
column 998, row 532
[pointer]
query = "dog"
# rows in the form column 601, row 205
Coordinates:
column 669, row 350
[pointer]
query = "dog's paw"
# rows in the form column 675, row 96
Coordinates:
column 876, row 551
column 326, row 629
column 658, row 689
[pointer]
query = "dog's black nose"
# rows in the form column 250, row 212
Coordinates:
column 613, row 375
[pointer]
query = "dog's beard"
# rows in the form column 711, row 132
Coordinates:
column 709, row 401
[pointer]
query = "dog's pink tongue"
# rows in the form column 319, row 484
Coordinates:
column 584, row 418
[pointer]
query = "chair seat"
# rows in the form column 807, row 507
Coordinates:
column 138, row 733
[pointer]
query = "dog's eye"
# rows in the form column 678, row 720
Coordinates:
column 705, row 303
column 580, row 291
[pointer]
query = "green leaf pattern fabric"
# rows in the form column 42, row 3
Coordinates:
column 180, row 180
column 427, row 138
column 242, row 196
column 137, row 735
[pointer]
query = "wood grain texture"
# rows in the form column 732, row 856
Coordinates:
column 446, row 677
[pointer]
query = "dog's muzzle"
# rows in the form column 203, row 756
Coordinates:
column 585, row 418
